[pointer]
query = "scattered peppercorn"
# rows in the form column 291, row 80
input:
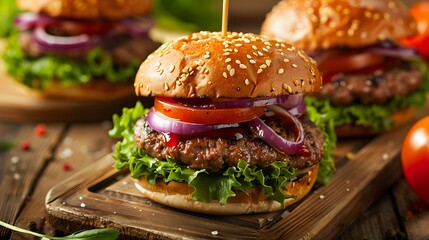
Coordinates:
column 25, row 145
column 66, row 167
column 40, row 130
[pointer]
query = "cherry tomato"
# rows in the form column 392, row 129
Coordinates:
column 338, row 61
column 173, row 109
column 415, row 158
column 420, row 12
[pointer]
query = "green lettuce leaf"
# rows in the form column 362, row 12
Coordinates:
column 321, row 114
column 39, row 73
column 207, row 188
column 374, row 116
column 8, row 10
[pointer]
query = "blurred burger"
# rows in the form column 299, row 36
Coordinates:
column 372, row 82
column 229, row 132
column 79, row 49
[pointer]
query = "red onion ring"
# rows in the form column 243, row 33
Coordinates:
column 298, row 110
column 59, row 43
column 273, row 139
column 138, row 26
column 31, row 20
column 287, row 101
column 163, row 124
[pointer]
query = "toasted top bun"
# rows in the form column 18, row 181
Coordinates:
column 237, row 65
column 178, row 195
column 321, row 24
column 85, row 9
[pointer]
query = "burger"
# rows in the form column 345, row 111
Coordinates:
column 371, row 83
column 229, row 132
column 82, row 50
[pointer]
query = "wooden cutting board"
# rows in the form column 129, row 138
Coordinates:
column 100, row 196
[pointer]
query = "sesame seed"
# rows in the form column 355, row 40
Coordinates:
column 225, row 75
column 236, row 50
column 263, row 66
column 206, row 56
column 248, row 56
column 264, row 49
column 246, row 40
column 226, row 54
column 242, row 66
column 232, row 72
column 259, row 71
column 228, row 60
column 281, row 71
column 238, row 44
column 252, row 61
column 286, row 60
column 296, row 82
column 171, row 69
column 166, row 86
column 228, row 67
column 207, row 53
column 289, row 89
column 268, row 62
column 294, row 65
column 246, row 82
column 254, row 47
column 238, row 61
column 260, row 53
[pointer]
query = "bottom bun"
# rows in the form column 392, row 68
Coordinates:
column 399, row 117
column 178, row 195
column 95, row 90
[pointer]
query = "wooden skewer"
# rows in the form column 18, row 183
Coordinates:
column 225, row 16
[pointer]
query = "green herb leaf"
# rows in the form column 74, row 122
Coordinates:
column 99, row 234
column 5, row 145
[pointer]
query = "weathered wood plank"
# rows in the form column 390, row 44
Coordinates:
column 412, row 211
column 375, row 223
column 81, row 145
column 20, row 168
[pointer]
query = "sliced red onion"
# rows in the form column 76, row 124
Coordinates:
column 298, row 110
column 273, row 139
column 394, row 50
column 163, row 124
column 31, row 20
column 287, row 101
column 60, row 43
column 138, row 26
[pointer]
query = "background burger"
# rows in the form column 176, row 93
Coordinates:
column 79, row 49
column 372, row 82
column 229, row 132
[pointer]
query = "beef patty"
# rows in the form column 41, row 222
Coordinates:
column 378, row 88
column 216, row 154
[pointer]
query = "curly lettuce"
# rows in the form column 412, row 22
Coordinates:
column 40, row 72
column 321, row 114
column 374, row 116
column 207, row 188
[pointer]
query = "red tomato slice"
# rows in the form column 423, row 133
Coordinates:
column 173, row 109
column 415, row 158
column 337, row 61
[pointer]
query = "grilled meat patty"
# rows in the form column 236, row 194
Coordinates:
column 216, row 154
column 378, row 88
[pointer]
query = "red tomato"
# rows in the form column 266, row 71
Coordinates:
column 420, row 12
column 337, row 61
column 173, row 109
column 415, row 158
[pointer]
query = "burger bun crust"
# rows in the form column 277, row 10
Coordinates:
column 235, row 65
column 317, row 24
column 178, row 195
column 84, row 9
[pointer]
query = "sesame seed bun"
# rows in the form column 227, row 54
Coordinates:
column 178, row 195
column 84, row 9
column 237, row 65
column 317, row 24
